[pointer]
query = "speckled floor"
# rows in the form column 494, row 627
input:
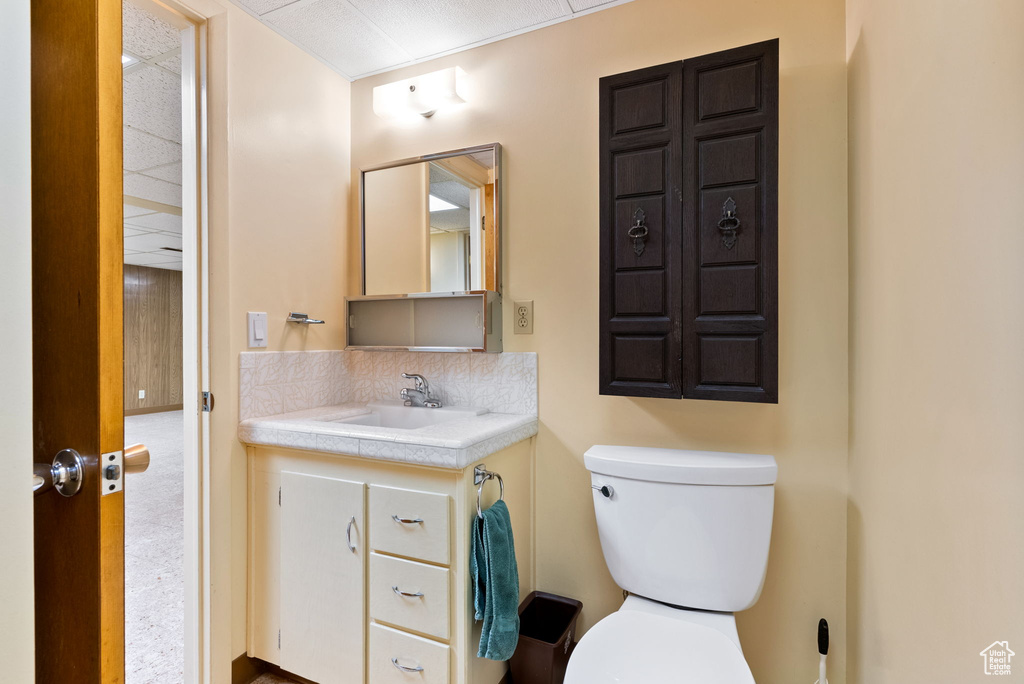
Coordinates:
column 154, row 552
column 270, row 679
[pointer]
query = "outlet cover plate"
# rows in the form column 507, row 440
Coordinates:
column 522, row 317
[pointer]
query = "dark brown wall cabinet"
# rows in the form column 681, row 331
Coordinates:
column 689, row 228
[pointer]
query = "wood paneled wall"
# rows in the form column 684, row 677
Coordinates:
column 152, row 339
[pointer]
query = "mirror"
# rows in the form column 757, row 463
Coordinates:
column 431, row 224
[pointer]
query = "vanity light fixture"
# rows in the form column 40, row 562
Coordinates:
column 422, row 95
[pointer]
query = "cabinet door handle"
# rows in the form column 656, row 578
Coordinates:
column 348, row 534
column 407, row 521
column 410, row 594
column 403, row 668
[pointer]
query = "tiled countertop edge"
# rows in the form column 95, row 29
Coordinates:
column 295, row 433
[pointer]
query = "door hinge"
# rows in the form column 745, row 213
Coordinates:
column 278, row 496
column 278, row 640
column 207, row 402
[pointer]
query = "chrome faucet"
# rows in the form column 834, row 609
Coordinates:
column 420, row 395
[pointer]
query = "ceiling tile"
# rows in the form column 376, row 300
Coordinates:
column 172, row 64
column 148, row 258
column 130, row 211
column 145, row 35
column 152, row 189
column 166, row 222
column 151, row 242
column 581, row 5
column 427, row 27
column 144, row 151
column 170, row 173
column 152, row 102
column 264, row 6
column 130, row 231
column 334, row 32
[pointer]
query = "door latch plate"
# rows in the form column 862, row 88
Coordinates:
column 111, row 472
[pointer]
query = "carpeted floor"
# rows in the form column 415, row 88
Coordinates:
column 154, row 553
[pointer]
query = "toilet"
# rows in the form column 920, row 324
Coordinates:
column 686, row 533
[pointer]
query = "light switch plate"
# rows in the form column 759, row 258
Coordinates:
column 523, row 317
column 257, row 329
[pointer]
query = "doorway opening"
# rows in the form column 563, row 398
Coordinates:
column 163, row 60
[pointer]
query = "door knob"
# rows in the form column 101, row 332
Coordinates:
column 136, row 458
column 65, row 474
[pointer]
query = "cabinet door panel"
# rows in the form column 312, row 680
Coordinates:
column 322, row 616
column 730, row 224
column 641, row 182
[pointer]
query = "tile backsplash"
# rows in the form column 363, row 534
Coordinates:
column 279, row 382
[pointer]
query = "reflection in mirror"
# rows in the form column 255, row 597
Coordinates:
column 431, row 225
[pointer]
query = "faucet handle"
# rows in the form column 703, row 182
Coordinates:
column 421, row 382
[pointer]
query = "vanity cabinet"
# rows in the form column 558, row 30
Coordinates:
column 359, row 568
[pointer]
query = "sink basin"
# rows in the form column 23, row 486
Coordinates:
column 398, row 415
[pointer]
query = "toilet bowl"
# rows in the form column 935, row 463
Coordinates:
column 686, row 533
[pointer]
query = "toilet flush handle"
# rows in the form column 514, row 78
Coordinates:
column 606, row 490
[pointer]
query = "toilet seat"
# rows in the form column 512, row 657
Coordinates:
column 632, row 647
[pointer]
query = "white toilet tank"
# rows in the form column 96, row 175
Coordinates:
column 688, row 528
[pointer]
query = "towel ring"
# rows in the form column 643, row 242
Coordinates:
column 480, row 476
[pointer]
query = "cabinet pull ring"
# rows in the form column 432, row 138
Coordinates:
column 348, row 534
column 729, row 224
column 407, row 521
column 403, row 668
column 409, row 594
column 638, row 232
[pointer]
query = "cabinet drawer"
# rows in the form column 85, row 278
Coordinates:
column 391, row 650
column 424, row 535
column 427, row 613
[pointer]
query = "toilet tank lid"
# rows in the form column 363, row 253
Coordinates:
column 681, row 466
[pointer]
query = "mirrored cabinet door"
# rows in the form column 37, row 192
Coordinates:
column 431, row 224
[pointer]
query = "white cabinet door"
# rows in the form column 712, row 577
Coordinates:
column 322, row 595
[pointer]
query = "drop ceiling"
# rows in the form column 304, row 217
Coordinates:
column 152, row 140
column 360, row 38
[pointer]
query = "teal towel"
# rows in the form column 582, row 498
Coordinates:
column 495, row 583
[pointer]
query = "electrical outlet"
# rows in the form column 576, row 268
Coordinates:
column 142, row 394
column 523, row 317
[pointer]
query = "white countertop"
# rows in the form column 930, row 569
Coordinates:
column 455, row 444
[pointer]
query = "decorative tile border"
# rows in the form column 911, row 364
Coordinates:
column 297, row 434
column 280, row 382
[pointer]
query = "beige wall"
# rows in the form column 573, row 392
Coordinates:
column 279, row 186
column 536, row 94
column 936, row 517
column 16, row 456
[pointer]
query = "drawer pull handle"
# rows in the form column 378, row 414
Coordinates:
column 348, row 534
column 403, row 668
column 409, row 594
column 407, row 521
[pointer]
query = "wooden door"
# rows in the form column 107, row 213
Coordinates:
column 641, row 181
column 77, row 335
column 730, row 224
column 323, row 550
